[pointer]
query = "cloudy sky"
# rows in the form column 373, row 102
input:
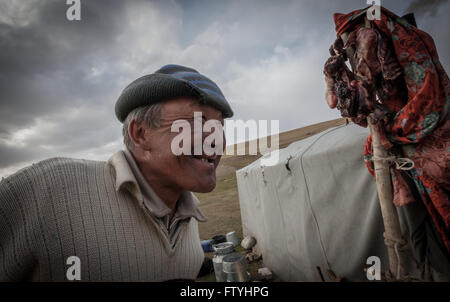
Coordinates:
column 59, row 79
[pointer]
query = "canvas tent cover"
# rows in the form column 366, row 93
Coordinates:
column 318, row 206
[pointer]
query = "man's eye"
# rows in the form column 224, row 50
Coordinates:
column 198, row 120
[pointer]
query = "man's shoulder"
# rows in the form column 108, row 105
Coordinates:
column 55, row 166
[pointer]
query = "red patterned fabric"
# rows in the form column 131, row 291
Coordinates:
column 422, row 122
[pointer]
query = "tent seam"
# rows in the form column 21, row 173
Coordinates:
column 284, row 228
column 309, row 198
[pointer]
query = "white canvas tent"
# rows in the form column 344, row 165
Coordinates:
column 317, row 206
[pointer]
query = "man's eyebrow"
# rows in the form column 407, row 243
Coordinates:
column 196, row 103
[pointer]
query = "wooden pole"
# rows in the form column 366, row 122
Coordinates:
column 392, row 234
column 391, row 222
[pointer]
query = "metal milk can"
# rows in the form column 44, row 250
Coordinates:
column 221, row 249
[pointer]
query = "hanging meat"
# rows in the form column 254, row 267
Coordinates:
column 376, row 73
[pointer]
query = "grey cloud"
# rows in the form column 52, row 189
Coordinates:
column 44, row 65
column 46, row 70
column 14, row 154
column 428, row 7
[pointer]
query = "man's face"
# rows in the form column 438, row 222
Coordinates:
column 195, row 173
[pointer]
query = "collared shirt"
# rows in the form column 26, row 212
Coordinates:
column 130, row 177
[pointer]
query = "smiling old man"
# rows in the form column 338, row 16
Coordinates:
column 132, row 218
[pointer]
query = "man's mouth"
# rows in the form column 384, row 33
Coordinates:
column 205, row 161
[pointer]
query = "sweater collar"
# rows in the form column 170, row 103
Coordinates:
column 129, row 177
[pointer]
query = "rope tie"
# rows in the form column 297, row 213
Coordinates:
column 401, row 163
column 398, row 245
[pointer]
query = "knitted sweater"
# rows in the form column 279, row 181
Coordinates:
column 62, row 207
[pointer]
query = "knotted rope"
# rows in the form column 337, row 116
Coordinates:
column 401, row 163
column 399, row 245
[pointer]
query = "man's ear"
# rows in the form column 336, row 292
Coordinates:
column 139, row 134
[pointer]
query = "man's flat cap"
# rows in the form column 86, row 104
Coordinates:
column 169, row 82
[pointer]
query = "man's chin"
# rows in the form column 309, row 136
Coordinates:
column 204, row 187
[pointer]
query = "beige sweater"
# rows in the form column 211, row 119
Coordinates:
column 93, row 210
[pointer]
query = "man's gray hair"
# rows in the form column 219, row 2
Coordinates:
column 151, row 115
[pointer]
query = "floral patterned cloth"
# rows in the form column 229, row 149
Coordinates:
column 420, row 129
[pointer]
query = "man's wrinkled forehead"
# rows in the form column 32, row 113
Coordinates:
column 184, row 109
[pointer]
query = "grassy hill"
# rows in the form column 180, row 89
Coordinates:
column 221, row 206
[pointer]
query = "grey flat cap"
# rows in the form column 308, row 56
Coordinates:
column 169, row 82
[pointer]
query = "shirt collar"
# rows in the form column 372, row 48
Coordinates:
column 124, row 175
column 130, row 177
column 187, row 206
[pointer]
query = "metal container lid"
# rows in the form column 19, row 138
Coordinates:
column 233, row 237
column 223, row 248
column 219, row 239
column 233, row 263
